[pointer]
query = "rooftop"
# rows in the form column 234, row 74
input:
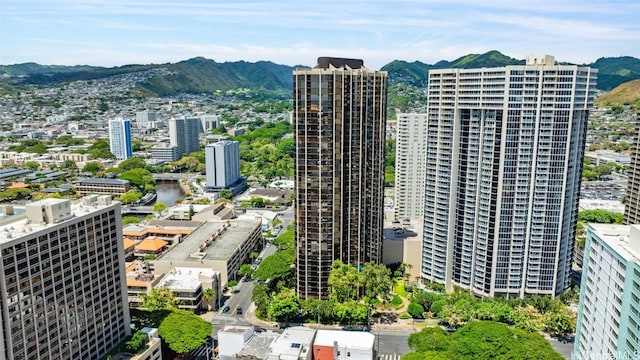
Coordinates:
column 326, row 62
column 183, row 278
column 102, row 181
column 402, row 230
column 623, row 239
column 351, row 339
column 20, row 225
column 151, row 244
column 294, row 341
column 224, row 245
column 258, row 346
column 236, row 329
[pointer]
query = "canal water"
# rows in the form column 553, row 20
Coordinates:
column 169, row 192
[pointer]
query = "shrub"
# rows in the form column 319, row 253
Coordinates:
column 437, row 306
column 404, row 315
column 416, row 310
column 396, row 301
column 137, row 343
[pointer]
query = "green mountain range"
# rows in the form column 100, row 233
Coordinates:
column 416, row 73
column 200, row 75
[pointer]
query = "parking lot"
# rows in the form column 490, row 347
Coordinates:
column 602, row 190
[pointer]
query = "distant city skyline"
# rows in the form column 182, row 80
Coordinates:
column 113, row 33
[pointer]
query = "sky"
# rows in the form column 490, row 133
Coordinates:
column 293, row 32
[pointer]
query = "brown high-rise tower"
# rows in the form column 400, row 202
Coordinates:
column 339, row 119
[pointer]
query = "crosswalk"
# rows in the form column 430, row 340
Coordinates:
column 389, row 356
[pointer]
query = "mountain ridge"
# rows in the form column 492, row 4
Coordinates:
column 202, row 75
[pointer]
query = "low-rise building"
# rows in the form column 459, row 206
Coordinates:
column 219, row 245
column 343, row 345
column 151, row 246
column 232, row 340
column 275, row 196
column 154, row 349
column 219, row 211
column 171, row 231
column 102, row 186
column 164, row 153
column 403, row 244
column 295, row 343
column 188, row 286
column 599, row 157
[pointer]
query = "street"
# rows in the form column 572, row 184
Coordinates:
column 391, row 344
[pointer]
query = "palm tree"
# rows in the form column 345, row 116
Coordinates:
column 207, row 296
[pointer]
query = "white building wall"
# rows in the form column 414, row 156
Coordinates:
column 232, row 339
column 120, row 138
column 222, row 163
column 503, row 167
column 411, row 142
column 609, row 307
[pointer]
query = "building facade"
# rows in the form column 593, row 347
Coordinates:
column 120, row 138
column 609, row 309
column 146, row 119
column 339, row 129
column 632, row 207
column 63, row 282
column 184, row 133
column 411, row 136
column 164, row 153
column 503, row 170
column 209, row 122
column 222, row 164
column 115, row 187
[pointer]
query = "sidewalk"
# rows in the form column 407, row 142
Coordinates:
column 400, row 325
column 250, row 316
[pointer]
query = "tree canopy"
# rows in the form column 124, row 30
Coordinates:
column 131, row 196
column 184, row 331
column 159, row 298
column 141, row 178
column 601, row 216
column 93, row 167
column 132, row 163
column 346, row 282
column 100, row 149
column 479, row 340
column 279, row 265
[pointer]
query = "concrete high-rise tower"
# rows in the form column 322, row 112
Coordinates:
column 63, row 281
column 146, row 119
column 184, row 134
column 411, row 143
column 223, row 164
column 632, row 207
column 609, row 308
column 339, row 128
column 120, row 138
column 504, row 163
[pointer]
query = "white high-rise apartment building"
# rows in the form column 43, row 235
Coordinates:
column 63, row 281
column 209, row 122
column 184, row 134
column 504, row 162
column 222, row 164
column 411, row 144
column 609, row 309
column 120, row 138
column 146, row 119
